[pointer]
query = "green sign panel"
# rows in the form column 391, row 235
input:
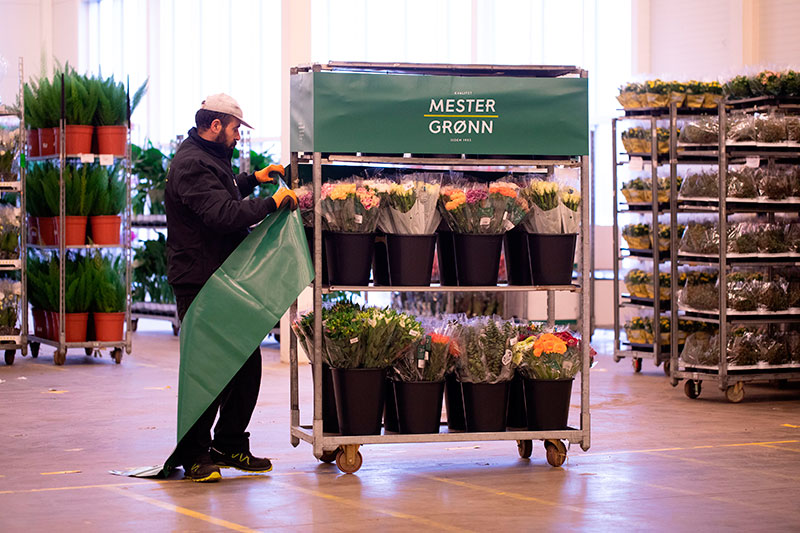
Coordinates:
column 345, row 112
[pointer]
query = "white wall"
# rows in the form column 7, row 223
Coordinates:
column 39, row 31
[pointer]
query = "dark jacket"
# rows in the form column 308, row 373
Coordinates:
column 206, row 215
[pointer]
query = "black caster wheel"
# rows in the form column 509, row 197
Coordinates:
column 735, row 393
column 277, row 337
column 525, row 448
column 9, row 355
column 134, row 324
column 176, row 330
column 667, row 367
column 60, row 356
column 637, row 364
column 556, row 452
column 351, row 464
column 692, row 388
column 329, row 456
column 116, row 355
column 35, row 349
column 88, row 351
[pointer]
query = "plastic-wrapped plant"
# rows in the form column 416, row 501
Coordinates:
column 429, row 358
column 704, row 130
column 743, row 347
column 793, row 128
column 743, row 290
column 639, row 330
column 774, row 350
column 700, row 238
column 637, row 236
column 700, row 185
column 773, row 295
column 772, row 239
column 738, row 87
column 743, row 238
column 637, row 190
column 700, row 290
column 741, row 128
column 554, row 355
column 771, row 128
column 637, row 281
column 775, row 184
column 699, row 349
column 765, row 83
column 10, row 291
column 743, row 182
column 482, row 343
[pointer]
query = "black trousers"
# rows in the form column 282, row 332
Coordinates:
column 235, row 405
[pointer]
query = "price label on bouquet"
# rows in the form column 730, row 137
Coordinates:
column 507, row 358
column 354, row 340
column 513, row 341
column 752, row 161
column 485, row 221
column 413, row 333
column 508, row 225
column 637, row 163
column 358, row 218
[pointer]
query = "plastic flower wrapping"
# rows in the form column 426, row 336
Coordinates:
column 10, row 291
column 410, row 204
column 9, row 232
column 481, row 209
column 305, row 202
column 356, row 337
column 9, row 145
column 546, row 214
column 350, row 206
column 484, row 347
column 549, row 355
column 431, row 356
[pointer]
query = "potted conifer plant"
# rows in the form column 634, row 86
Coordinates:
column 42, row 202
column 104, row 217
column 111, row 116
column 81, row 97
column 108, row 303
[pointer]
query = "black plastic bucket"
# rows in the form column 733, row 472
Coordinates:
column 485, row 406
column 454, row 403
column 516, row 417
column 547, row 403
column 359, row 399
column 477, row 258
column 380, row 261
column 518, row 264
column 419, row 406
column 310, row 239
column 552, row 257
column 446, row 258
column 330, row 420
column 390, row 408
column 349, row 257
column 410, row 259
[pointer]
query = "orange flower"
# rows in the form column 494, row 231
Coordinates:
column 438, row 338
column 548, row 343
column 505, row 191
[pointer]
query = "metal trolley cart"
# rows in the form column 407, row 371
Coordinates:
column 731, row 378
column 309, row 147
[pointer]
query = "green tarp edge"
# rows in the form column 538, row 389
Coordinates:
column 235, row 310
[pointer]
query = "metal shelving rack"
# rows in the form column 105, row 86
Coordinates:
column 344, row 449
column 729, row 379
column 11, row 343
column 90, row 347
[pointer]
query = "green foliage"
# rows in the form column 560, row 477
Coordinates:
column 80, row 284
column 81, row 96
column 109, row 285
column 79, row 190
column 112, row 103
column 150, row 272
column 42, row 193
column 110, row 190
column 33, row 108
column 150, row 168
column 42, row 283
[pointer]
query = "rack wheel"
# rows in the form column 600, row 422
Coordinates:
column 556, row 452
column 525, row 448
column 60, row 356
column 89, row 351
column 349, row 459
column 637, row 364
column 35, row 349
column 735, row 393
column 134, row 324
column 10, row 356
column 692, row 388
column 116, row 355
column 176, row 330
column 617, row 358
column 329, row 456
column 667, row 366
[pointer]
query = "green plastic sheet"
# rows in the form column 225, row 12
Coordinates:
column 235, row 310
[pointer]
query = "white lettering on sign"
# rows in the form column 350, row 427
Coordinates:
column 458, row 116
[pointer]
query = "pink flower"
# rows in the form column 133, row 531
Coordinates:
column 326, row 189
column 476, row 195
column 306, row 201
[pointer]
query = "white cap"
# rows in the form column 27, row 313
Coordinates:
column 222, row 103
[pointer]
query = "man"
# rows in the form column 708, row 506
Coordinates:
column 208, row 215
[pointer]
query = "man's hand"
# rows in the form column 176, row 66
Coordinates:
column 284, row 197
column 269, row 174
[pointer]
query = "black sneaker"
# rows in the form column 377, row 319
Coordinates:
column 244, row 461
column 202, row 470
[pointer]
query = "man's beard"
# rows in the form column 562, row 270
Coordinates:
column 222, row 139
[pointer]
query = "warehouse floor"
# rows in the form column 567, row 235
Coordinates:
column 658, row 461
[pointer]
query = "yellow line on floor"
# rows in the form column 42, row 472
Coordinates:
column 78, row 487
column 494, row 492
column 736, row 467
column 651, row 450
column 61, row 472
column 762, row 443
column 395, row 514
column 790, row 426
column 780, row 448
column 182, row 510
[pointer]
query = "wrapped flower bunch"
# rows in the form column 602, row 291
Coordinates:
column 350, row 206
column 745, row 347
column 637, row 236
column 700, row 238
column 480, row 209
column 484, row 345
column 9, row 146
column 430, row 357
column 660, row 93
column 9, row 232
column 305, row 202
column 637, row 281
column 700, row 290
column 410, row 205
column 10, row 291
column 549, row 355
column 555, row 208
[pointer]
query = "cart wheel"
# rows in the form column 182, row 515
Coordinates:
column 556, row 452
column 735, row 393
column 637, row 364
column 134, row 324
column 60, row 356
column 176, row 330
column 10, row 357
column 329, row 456
column 34, row 350
column 617, row 358
column 89, row 351
column 525, row 448
column 692, row 388
column 674, row 382
column 277, row 337
column 667, row 366
column 116, row 355
column 351, row 464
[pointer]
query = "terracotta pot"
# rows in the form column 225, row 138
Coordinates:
column 108, row 326
column 48, row 141
column 33, row 143
column 33, row 230
column 112, row 140
column 51, row 325
column 47, row 230
column 40, row 323
column 75, row 230
column 78, row 139
column 74, row 326
column 105, row 229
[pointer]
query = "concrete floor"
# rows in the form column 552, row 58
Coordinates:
column 659, row 461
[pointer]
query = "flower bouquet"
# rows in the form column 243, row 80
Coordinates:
column 545, row 215
column 637, row 236
column 570, row 205
column 10, row 291
column 9, row 145
column 484, row 347
column 478, row 209
column 305, row 202
column 9, row 232
column 349, row 207
column 410, row 205
column 548, row 356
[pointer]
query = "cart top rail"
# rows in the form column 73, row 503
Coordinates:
column 535, row 71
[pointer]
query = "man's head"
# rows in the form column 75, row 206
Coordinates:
column 219, row 119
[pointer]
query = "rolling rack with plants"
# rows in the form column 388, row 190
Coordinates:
column 326, row 143
column 13, row 290
column 747, row 291
column 73, row 189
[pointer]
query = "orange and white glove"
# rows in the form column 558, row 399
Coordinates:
column 285, row 197
column 269, row 174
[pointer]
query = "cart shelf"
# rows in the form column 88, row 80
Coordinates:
column 446, row 288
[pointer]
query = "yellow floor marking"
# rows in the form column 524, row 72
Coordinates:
column 738, row 468
column 61, row 472
column 623, row 452
column 780, row 448
column 158, row 388
column 790, row 426
column 54, row 391
column 514, row 495
column 762, row 443
column 380, row 510
column 182, row 510
column 78, row 487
